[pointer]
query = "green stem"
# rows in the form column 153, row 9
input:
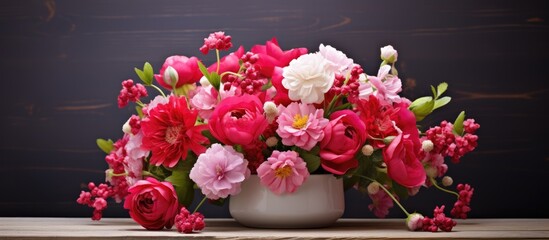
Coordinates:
column 200, row 204
column 119, row 174
column 331, row 105
column 218, row 62
column 388, row 193
column 232, row 73
column 434, row 182
column 141, row 104
column 157, row 88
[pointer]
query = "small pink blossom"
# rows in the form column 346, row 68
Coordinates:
column 220, row 171
column 301, row 125
column 384, row 86
column 130, row 93
column 185, row 222
column 283, row 172
column 381, row 203
column 216, row 40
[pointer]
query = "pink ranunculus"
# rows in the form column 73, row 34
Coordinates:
column 402, row 154
column 271, row 56
column 220, row 171
column 344, row 136
column 283, row 172
column 186, row 68
column 238, row 120
column 301, row 125
column 152, row 204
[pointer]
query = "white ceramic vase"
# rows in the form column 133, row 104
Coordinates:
column 317, row 203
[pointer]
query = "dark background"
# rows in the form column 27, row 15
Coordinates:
column 62, row 63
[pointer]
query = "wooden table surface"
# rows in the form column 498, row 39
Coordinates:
column 83, row 228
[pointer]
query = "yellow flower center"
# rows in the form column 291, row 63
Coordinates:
column 300, row 121
column 283, row 172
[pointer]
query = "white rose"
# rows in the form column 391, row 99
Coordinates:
column 338, row 61
column 389, row 54
column 307, row 78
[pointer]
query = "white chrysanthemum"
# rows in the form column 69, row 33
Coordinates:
column 338, row 61
column 307, row 78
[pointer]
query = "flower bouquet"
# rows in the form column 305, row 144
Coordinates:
column 280, row 115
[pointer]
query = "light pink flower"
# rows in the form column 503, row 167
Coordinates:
column 383, row 86
column 206, row 98
column 301, row 125
column 338, row 61
column 283, row 172
column 220, row 171
column 381, row 203
column 414, row 222
column 155, row 102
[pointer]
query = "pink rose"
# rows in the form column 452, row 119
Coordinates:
column 402, row 154
column 238, row 120
column 152, row 204
column 186, row 68
column 344, row 135
column 271, row 56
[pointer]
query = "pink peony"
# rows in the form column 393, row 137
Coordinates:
column 170, row 132
column 238, row 120
column 271, row 55
column 301, row 125
column 283, row 172
column 186, row 68
column 220, row 171
column 344, row 136
column 381, row 203
column 402, row 154
column 338, row 61
column 152, row 204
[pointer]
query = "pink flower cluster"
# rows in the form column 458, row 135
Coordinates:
column 216, row 41
column 130, row 92
column 185, row 222
column 462, row 205
column 439, row 221
column 96, row 198
column 449, row 144
column 381, row 203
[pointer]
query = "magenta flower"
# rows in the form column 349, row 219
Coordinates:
column 381, row 203
column 301, row 125
column 283, row 172
column 220, row 171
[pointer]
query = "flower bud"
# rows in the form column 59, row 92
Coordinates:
column 389, row 54
column 204, row 82
column 373, row 188
column 414, row 221
column 171, row 76
column 431, row 171
column 108, row 175
column 271, row 142
column 427, row 145
column 367, row 150
column 447, row 181
column 271, row 111
column 126, row 128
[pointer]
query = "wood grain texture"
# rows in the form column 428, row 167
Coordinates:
column 78, row 228
column 62, row 62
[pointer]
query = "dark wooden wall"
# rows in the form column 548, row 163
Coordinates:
column 62, row 61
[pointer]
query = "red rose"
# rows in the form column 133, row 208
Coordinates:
column 186, row 68
column 152, row 204
column 238, row 120
column 343, row 137
column 402, row 154
column 271, row 56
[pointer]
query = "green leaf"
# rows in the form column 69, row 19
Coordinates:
column 377, row 156
column 141, row 75
column 434, row 91
column 139, row 111
column 441, row 102
column 208, row 134
column 204, row 70
column 215, row 80
column 441, row 88
column 106, row 145
column 400, row 191
column 267, row 86
column 420, row 101
column 458, row 124
column 311, row 158
column 149, row 74
column 182, row 182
